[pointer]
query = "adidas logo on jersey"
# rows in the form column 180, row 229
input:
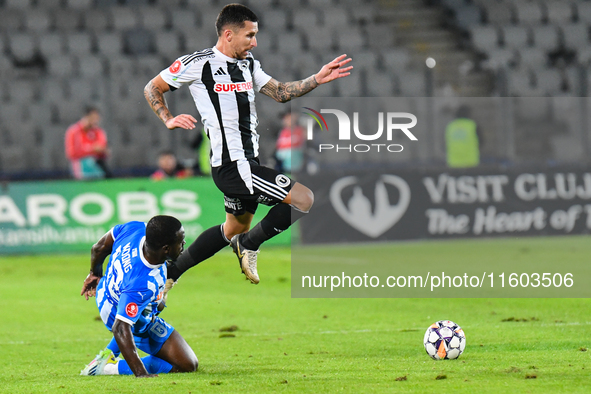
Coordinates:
column 220, row 71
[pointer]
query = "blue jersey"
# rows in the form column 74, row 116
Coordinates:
column 131, row 288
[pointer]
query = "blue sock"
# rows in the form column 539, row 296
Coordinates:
column 112, row 346
column 154, row 365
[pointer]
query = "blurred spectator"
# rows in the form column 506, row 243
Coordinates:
column 462, row 140
column 200, row 144
column 86, row 146
column 169, row 167
column 290, row 144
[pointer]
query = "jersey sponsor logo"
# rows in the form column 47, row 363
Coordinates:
column 131, row 309
column 175, row 67
column 233, row 87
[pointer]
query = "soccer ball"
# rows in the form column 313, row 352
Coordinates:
column 444, row 340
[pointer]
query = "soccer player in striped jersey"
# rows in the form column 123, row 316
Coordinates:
column 223, row 81
column 129, row 298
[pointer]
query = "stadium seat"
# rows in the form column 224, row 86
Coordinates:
column 575, row 35
column 24, row 91
column 15, row 111
column 306, row 62
column 79, row 43
column 183, row 20
column 154, row 19
column 380, row 36
column 54, row 89
column 365, row 59
column 499, row 57
column 319, row 39
column 109, row 44
column 67, row 20
column 546, row 37
column 305, row 19
column 499, row 13
column 534, row 58
column 484, row 38
column 96, row 20
column 38, row 21
column 395, row 59
column 274, row 20
column 49, row 4
column 52, row 44
column 516, row 36
column 91, row 66
column 528, row 12
column 18, row 4
column 584, row 11
column 168, row 44
column 138, row 41
column 124, row 18
column 336, row 17
column 61, row 66
column 379, row 84
column 40, row 114
column 574, row 80
column 22, row 46
column 11, row 20
column 288, row 42
column 350, row 39
column 79, row 4
column 362, row 13
column 520, row 83
column 412, row 84
column 549, row 81
column 559, row 12
column 584, row 56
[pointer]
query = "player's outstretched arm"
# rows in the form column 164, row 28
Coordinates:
column 285, row 91
column 98, row 254
column 124, row 337
column 154, row 94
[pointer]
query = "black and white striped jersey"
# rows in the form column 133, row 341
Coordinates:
column 223, row 89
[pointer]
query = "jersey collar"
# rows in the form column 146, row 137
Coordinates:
column 144, row 260
column 226, row 58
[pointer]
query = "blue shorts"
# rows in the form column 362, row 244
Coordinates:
column 153, row 338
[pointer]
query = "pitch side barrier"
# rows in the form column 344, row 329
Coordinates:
column 70, row 216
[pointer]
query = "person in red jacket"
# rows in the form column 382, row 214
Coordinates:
column 86, row 146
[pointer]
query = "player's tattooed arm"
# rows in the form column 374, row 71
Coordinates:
column 154, row 94
column 284, row 91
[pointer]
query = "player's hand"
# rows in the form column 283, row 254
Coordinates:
column 183, row 121
column 333, row 70
column 89, row 286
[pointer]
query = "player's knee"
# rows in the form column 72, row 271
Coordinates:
column 232, row 229
column 306, row 200
column 189, row 365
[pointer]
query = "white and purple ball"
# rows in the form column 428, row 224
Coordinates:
column 444, row 340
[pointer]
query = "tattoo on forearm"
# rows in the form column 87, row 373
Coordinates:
column 285, row 91
column 155, row 98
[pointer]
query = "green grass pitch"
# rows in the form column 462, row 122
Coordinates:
column 282, row 344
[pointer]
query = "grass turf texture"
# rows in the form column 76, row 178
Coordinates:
column 297, row 345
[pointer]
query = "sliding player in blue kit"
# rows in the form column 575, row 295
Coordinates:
column 130, row 297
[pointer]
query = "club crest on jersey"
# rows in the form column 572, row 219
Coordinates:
column 175, row 67
column 131, row 309
column 233, row 87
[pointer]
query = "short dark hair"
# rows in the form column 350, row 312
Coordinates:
column 161, row 231
column 90, row 108
column 234, row 14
